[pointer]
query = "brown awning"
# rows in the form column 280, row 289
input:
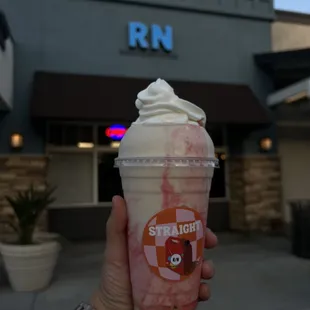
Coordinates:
column 70, row 96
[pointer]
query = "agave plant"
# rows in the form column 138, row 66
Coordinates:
column 28, row 205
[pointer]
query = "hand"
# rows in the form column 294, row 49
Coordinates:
column 115, row 288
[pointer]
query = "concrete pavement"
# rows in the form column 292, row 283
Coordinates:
column 256, row 273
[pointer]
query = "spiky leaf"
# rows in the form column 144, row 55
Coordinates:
column 28, row 206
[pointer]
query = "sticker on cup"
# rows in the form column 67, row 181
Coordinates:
column 173, row 243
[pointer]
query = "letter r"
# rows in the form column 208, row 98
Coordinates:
column 137, row 35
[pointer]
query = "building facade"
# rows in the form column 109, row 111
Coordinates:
column 288, row 67
column 290, row 31
column 79, row 65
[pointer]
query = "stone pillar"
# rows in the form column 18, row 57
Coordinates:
column 255, row 193
column 18, row 172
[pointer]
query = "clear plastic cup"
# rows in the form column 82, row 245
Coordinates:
column 167, row 200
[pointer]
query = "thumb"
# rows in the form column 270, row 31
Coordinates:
column 115, row 289
column 116, row 244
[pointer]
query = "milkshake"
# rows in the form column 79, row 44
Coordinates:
column 166, row 162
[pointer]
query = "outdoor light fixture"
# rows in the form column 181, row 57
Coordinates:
column 265, row 144
column 223, row 156
column 85, row 145
column 16, row 141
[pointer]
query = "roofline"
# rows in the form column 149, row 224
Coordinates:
column 292, row 17
column 290, row 94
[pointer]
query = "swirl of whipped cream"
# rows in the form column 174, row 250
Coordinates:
column 159, row 104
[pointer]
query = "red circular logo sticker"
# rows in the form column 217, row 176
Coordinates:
column 173, row 243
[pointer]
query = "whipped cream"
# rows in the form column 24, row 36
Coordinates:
column 159, row 104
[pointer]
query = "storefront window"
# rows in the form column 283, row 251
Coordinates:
column 217, row 135
column 87, row 175
column 101, row 135
column 69, row 135
column 218, row 187
column 72, row 173
column 109, row 181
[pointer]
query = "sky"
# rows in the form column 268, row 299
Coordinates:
column 301, row 6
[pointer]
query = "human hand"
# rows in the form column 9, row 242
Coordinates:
column 115, row 288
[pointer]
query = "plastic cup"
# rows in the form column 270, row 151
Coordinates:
column 166, row 173
column 167, row 201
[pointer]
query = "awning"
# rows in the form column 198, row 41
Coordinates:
column 292, row 103
column 285, row 67
column 83, row 97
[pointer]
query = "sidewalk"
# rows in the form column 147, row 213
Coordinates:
column 251, row 274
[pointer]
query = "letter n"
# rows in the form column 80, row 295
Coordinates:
column 162, row 38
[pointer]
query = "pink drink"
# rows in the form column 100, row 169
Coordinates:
column 166, row 172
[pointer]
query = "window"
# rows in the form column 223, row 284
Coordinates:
column 72, row 174
column 82, row 164
column 217, row 135
column 109, row 180
column 102, row 138
column 69, row 134
column 218, row 187
column 85, row 175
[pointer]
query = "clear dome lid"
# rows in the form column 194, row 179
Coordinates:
column 167, row 162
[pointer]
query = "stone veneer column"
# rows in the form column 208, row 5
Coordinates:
column 255, row 193
column 18, row 172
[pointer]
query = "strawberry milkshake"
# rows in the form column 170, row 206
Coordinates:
column 166, row 162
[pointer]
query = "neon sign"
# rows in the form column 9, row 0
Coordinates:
column 116, row 132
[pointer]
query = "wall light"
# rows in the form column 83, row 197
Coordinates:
column 85, row 145
column 16, row 141
column 265, row 144
column 223, row 156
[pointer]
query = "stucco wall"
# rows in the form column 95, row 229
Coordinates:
column 290, row 36
column 89, row 37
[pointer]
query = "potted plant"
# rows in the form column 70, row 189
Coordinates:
column 29, row 262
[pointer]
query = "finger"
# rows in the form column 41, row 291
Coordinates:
column 116, row 244
column 204, row 292
column 210, row 240
column 117, row 221
column 207, row 270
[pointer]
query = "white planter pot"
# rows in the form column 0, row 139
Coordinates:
column 30, row 267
